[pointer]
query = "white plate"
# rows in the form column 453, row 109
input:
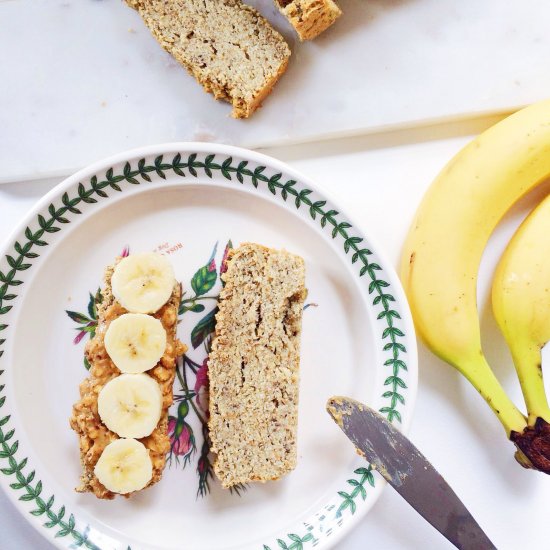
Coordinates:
column 358, row 341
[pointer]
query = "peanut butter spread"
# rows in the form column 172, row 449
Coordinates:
column 85, row 421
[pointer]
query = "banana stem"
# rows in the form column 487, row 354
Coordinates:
column 533, row 446
column 486, row 383
column 528, row 365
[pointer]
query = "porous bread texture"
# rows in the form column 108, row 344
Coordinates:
column 226, row 45
column 254, row 365
column 309, row 17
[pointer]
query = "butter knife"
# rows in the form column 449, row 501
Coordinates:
column 406, row 469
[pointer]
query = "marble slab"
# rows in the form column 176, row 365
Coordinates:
column 81, row 79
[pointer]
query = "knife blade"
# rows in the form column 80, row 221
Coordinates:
column 407, row 470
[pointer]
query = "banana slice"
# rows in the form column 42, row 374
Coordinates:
column 124, row 466
column 135, row 342
column 143, row 283
column 130, row 405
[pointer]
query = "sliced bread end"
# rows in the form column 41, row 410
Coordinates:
column 309, row 17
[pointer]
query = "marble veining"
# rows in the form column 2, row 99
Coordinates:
column 82, row 79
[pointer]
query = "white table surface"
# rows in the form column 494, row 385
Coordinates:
column 379, row 180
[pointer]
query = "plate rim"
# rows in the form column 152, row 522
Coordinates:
column 261, row 159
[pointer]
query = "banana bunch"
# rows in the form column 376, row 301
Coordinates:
column 441, row 259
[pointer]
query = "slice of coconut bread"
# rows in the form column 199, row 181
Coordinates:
column 254, row 365
column 226, row 45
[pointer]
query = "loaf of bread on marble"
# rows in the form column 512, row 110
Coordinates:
column 226, row 45
column 254, row 365
column 309, row 17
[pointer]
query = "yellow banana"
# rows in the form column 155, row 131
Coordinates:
column 452, row 226
column 521, row 304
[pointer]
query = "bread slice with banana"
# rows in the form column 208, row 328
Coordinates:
column 121, row 418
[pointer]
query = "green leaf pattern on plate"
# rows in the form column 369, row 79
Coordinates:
column 203, row 328
column 205, row 278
